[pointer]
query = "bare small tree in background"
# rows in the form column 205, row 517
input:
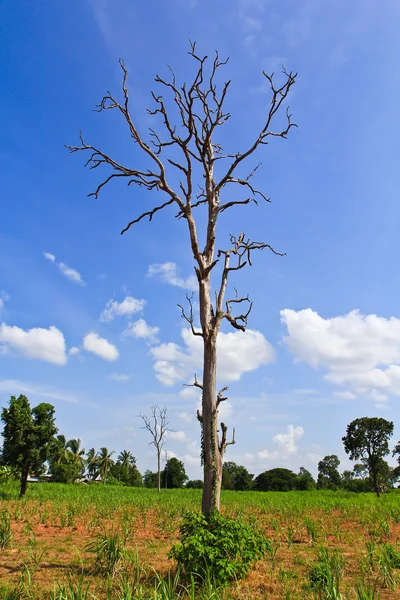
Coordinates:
column 209, row 178
column 157, row 426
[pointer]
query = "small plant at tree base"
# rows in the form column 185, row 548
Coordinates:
column 110, row 552
column 325, row 574
column 5, row 530
column 219, row 545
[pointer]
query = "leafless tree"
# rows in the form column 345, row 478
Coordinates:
column 187, row 152
column 157, row 426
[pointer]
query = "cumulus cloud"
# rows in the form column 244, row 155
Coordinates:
column 359, row 351
column 74, row 351
column 142, row 330
column 68, row 272
column 92, row 342
column 168, row 273
column 286, row 443
column 238, row 353
column 128, row 306
column 42, row 344
column 120, row 376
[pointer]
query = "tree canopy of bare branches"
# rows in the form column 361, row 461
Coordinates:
column 157, row 426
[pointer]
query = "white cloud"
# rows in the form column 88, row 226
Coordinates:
column 345, row 395
column 42, row 344
column 120, row 376
column 3, row 298
column 190, row 392
column 92, row 342
column 16, row 387
column 286, row 443
column 193, row 461
column 359, row 351
column 74, row 351
column 179, row 436
column 128, row 306
column 168, row 273
column 187, row 417
column 238, row 353
column 68, row 272
column 140, row 329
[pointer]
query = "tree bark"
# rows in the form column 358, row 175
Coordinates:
column 158, row 471
column 211, row 454
column 24, row 479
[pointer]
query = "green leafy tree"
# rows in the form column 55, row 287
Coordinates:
column 66, row 459
column 125, row 469
column 77, row 454
column 275, row 480
column 150, row 479
column 105, row 463
column 92, row 463
column 174, row 474
column 27, row 436
column 195, row 484
column 328, row 474
column 235, row 477
column 367, row 440
column 304, row 480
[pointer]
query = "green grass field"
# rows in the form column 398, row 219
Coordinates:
column 70, row 542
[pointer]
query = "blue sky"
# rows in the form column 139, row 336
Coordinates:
column 89, row 318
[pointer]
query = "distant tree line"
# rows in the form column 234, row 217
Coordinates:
column 31, row 444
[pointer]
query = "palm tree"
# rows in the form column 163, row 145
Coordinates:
column 59, row 451
column 77, row 454
column 125, row 459
column 92, row 461
column 105, row 463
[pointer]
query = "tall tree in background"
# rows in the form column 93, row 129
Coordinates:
column 174, row 474
column 328, row 474
column 105, row 463
column 66, row 459
column 367, row 440
column 157, row 426
column 189, row 151
column 92, row 462
column 27, row 436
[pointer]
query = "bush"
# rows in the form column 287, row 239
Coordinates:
column 220, row 546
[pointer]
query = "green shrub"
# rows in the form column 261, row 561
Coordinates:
column 220, row 546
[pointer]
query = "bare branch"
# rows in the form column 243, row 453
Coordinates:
column 149, row 214
column 189, row 318
column 195, row 384
column 279, row 94
column 223, row 444
column 220, row 396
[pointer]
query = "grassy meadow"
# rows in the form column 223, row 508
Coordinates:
column 75, row 542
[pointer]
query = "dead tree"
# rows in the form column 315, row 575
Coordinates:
column 187, row 151
column 157, row 426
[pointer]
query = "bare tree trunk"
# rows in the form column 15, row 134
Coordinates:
column 158, row 471
column 211, row 453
